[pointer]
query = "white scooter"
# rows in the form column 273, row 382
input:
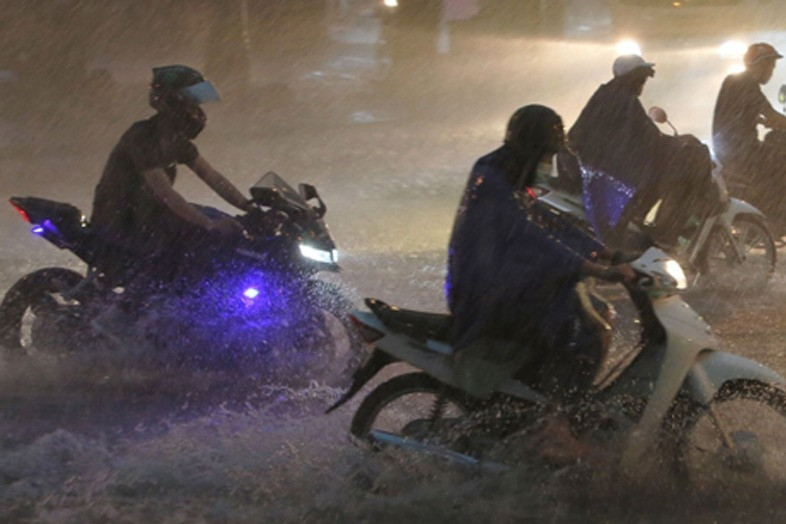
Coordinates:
column 732, row 250
column 673, row 392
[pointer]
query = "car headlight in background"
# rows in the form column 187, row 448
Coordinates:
column 627, row 47
column 390, row 4
column 733, row 50
column 319, row 255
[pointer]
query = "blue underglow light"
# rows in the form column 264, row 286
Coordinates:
column 251, row 293
column 37, row 230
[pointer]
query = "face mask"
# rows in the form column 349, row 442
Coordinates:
column 543, row 173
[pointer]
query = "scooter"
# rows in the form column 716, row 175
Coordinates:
column 673, row 392
column 731, row 251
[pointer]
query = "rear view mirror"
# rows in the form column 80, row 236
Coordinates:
column 658, row 115
column 309, row 192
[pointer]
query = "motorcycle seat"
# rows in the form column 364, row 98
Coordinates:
column 416, row 324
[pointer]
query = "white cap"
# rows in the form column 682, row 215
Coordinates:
column 626, row 63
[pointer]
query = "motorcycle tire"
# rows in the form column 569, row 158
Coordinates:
column 32, row 293
column 338, row 336
column 752, row 415
column 720, row 270
column 415, row 391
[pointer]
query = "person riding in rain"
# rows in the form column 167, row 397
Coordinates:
column 135, row 206
column 625, row 164
column 739, row 109
column 513, row 272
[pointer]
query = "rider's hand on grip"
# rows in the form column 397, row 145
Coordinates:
column 226, row 226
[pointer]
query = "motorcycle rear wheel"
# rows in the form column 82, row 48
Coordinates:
column 723, row 272
column 413, row 405
column 32, row 296
column 753, row 417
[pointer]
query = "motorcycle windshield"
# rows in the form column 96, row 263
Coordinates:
column 271, row 180
column 605, row 198
column 315, row 231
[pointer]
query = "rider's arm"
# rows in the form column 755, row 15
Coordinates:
column 158, row 182
column 219, row 183
column 773, row 119
column 618, row 273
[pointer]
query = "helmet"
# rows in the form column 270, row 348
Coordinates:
column 627, row 63
column 176, row 91
column 758, row 52
column 535, row 130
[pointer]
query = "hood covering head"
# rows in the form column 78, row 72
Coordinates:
column 534, row 132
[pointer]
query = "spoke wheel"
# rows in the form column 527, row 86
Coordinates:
column 722, row 269
column 753, row 417
column 414, row 406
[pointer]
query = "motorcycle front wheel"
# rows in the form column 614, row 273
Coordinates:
column 721, row 267
column 30, row 301
column 334, row 336
column 737, row 442
column 414, row 406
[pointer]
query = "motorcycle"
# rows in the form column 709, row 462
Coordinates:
column 673, row 393
column 731, row 249
column 260, row 293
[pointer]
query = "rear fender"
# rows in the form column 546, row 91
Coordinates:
column 363, row 375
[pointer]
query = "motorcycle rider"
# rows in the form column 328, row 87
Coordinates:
column 135, row 206
column 631, row 159
column 513, row 271
column 739, row 109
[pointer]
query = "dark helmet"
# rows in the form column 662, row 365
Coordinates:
column 535, row 131
column 176, row 91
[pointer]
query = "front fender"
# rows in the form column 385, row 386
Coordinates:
column 712, row 369
column 740, row 207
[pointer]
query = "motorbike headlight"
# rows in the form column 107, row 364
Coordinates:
column 318, row 255
column 390, row 4
column 675, row 271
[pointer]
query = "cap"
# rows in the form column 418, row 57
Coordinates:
column 626, row 63
column 758, row 52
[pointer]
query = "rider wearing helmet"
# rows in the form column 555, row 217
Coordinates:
column 739, row 109
column 622, row 152
column 135, row 206
column 513, row 270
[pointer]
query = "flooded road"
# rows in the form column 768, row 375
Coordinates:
column 97, row 437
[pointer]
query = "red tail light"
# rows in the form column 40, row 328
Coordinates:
column 20, row 211
column 369, row 334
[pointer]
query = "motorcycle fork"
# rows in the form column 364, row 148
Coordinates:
column 704, row 234
column 728, row 230
column 718, row 423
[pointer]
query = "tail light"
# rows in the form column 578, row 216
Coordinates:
column 21, row 211
column 369, row 334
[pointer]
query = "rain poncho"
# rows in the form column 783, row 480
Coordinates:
column 628, row 164
column 507, row 272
